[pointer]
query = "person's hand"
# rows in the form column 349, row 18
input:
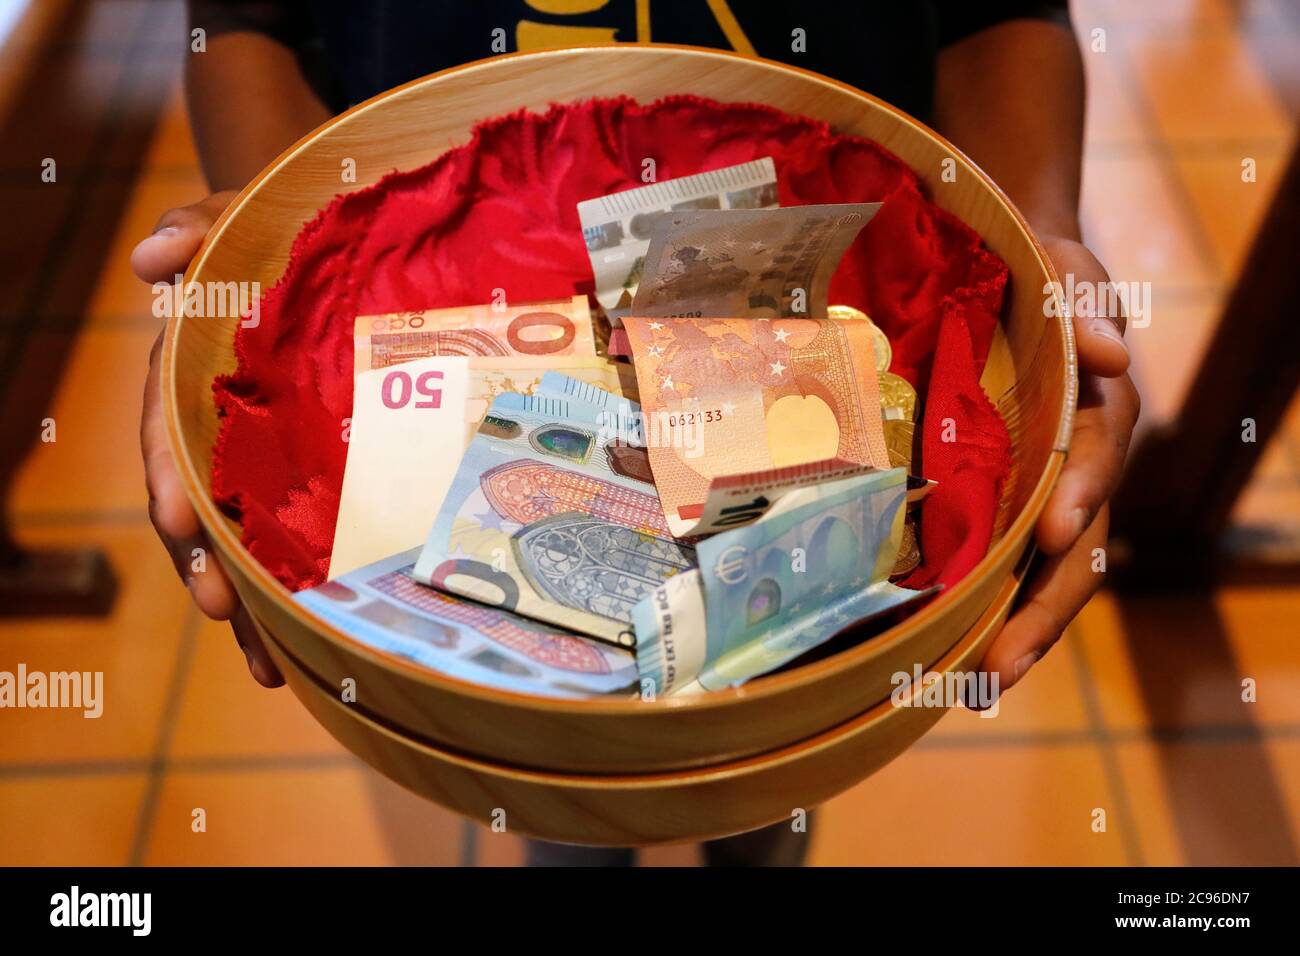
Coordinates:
column 1075, row 520
column 160, row 258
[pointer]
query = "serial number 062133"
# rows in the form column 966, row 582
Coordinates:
column 697, row 417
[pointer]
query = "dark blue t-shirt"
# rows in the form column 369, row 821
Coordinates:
column 354, row 49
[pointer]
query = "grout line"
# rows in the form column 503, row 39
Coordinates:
column 1210, row 734
column 166, row 727
column 272, row 763
column 1105, row 749
column 62, row 518
column 1183, row 148
column 14, row 179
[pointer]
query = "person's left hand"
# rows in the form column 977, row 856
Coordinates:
column 1075, row 520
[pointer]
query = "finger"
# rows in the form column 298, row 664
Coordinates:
column 173, row 515
column 170, row 510
column 1098, row 329
column 1056, row 594
column 259, row 661
column 1103, row 424
column 166, row 253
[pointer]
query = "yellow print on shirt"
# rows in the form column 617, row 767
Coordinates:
column 531, row 35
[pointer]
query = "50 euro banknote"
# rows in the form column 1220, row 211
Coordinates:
column 814, row 565
column 410, row 425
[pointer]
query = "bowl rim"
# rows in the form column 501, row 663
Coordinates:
column 214, row 523
column 863, row 722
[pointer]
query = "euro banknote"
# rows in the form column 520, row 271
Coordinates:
column 410, row 425
column 383, row 607
column 561, row 327
column 761, row 263
column 736, row 500
column 546, row 518
column 815, row 564
column 735, row 396
column 616, row 227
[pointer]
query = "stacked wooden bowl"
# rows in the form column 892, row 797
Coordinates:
column 605, row 771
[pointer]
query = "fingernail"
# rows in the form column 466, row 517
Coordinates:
column 1024, row 663
column 1107, row 330
column 165, row 231
column 1078, row 521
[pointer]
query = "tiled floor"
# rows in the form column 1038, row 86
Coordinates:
column 1137, row 718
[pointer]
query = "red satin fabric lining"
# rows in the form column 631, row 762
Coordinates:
column 500, row 212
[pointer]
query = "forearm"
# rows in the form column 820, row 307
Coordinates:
column 248, row 101
column 1011, row 97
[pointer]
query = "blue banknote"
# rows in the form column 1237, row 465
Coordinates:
column 815, row 564
column 550, row 518
column 384, row 607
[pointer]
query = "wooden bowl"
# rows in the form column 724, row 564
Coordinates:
column 1030, row 375
column 643, row 809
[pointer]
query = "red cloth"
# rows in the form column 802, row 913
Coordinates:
column 500, row 212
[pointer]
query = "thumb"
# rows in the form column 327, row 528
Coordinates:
column 180, row 231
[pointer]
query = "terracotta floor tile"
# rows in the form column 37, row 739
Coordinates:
column 1112, row 116
column 1232, row 800
column 1284, row 755
column 1264, row 626
column 224, row 712
column 1229, row 209
column 119, row 297
column 1167, row 352
column 1277, row 466
column 135, row 648
column 686, row 854
column 1109, row 664
column 1274, row 507
column 325, row 817
column 1047, row 701
column 1202, row 84
column 69, row 820
column 94, row 463
column 974, row 806
column 1175, row 663
column 497, row 849
column 1136, row 224
column 173, row 145
column 1155, row 830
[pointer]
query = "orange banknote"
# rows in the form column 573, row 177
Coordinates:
column 556, row 327
column 734, row 396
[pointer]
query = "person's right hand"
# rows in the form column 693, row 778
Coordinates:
column 160, row 258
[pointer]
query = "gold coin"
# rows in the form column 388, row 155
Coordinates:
column 898, row 442
column 884, row 351
column 909, row 551
column 896, row 392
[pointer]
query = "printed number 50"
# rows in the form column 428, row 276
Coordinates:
column 402, row 380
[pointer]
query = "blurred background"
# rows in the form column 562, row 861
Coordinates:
column 1138, row 711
